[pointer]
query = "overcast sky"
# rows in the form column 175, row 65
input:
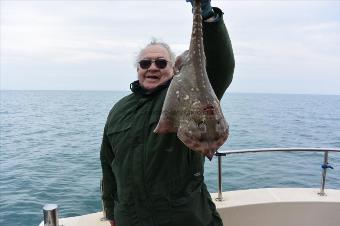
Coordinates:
column 279, row 46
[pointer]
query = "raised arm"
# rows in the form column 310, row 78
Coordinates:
column 219, row 54
column 217, row 47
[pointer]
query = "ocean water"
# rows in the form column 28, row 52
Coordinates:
column 50, row 140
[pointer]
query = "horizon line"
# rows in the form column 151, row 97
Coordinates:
column 230, row 92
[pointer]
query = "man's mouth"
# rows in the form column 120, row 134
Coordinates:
column 153, row 77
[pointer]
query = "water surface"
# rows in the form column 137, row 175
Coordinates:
column 50, row 144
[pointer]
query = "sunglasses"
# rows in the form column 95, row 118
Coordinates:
column 160, row 63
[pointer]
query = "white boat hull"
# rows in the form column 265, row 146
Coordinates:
column 280, row 207
column 260, row 207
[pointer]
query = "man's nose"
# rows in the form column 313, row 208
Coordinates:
column 153, row 66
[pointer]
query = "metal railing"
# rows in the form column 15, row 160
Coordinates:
column 324, row 166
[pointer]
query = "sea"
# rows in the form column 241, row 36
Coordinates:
column 50, row 141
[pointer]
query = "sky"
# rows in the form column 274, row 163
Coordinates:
column 279, row 46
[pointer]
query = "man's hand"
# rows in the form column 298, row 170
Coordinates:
column 206, row 8
column 112, row 223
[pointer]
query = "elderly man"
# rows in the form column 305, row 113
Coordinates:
column 151, row 179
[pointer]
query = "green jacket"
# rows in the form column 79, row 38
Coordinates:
column 151, row 179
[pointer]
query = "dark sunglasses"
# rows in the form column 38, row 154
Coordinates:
column 160, row 63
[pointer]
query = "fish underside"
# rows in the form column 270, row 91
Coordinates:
column 191, row 107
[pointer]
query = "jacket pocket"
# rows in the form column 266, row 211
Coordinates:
column 184, row 198
column 119, row 136
column 192, row 206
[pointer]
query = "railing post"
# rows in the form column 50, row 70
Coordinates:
column 324, row 172
column 219, row 197
column 51, row 215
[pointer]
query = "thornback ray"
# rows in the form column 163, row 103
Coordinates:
column 191, row 107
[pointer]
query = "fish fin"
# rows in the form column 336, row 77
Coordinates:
column 180, row 61
column 165, row 126
column 209, row 156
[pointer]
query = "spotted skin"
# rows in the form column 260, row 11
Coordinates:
column 191, row 107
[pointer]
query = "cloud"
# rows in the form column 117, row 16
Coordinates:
column 82, row 31
column 273, row 41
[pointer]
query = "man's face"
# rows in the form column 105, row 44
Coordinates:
column 153, row 76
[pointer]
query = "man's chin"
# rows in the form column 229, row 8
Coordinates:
column 150, row 86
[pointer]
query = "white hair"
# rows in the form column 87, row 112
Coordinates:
column 154, row 41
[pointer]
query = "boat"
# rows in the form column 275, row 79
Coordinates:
column 253, row 207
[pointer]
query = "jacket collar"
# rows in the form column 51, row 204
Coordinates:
column 138, row 89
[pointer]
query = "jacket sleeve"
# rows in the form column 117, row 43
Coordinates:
column 108, row 180
column 219, row 54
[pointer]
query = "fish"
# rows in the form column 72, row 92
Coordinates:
column 191, row 108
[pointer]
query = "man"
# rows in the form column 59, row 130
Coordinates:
column 151, row 179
